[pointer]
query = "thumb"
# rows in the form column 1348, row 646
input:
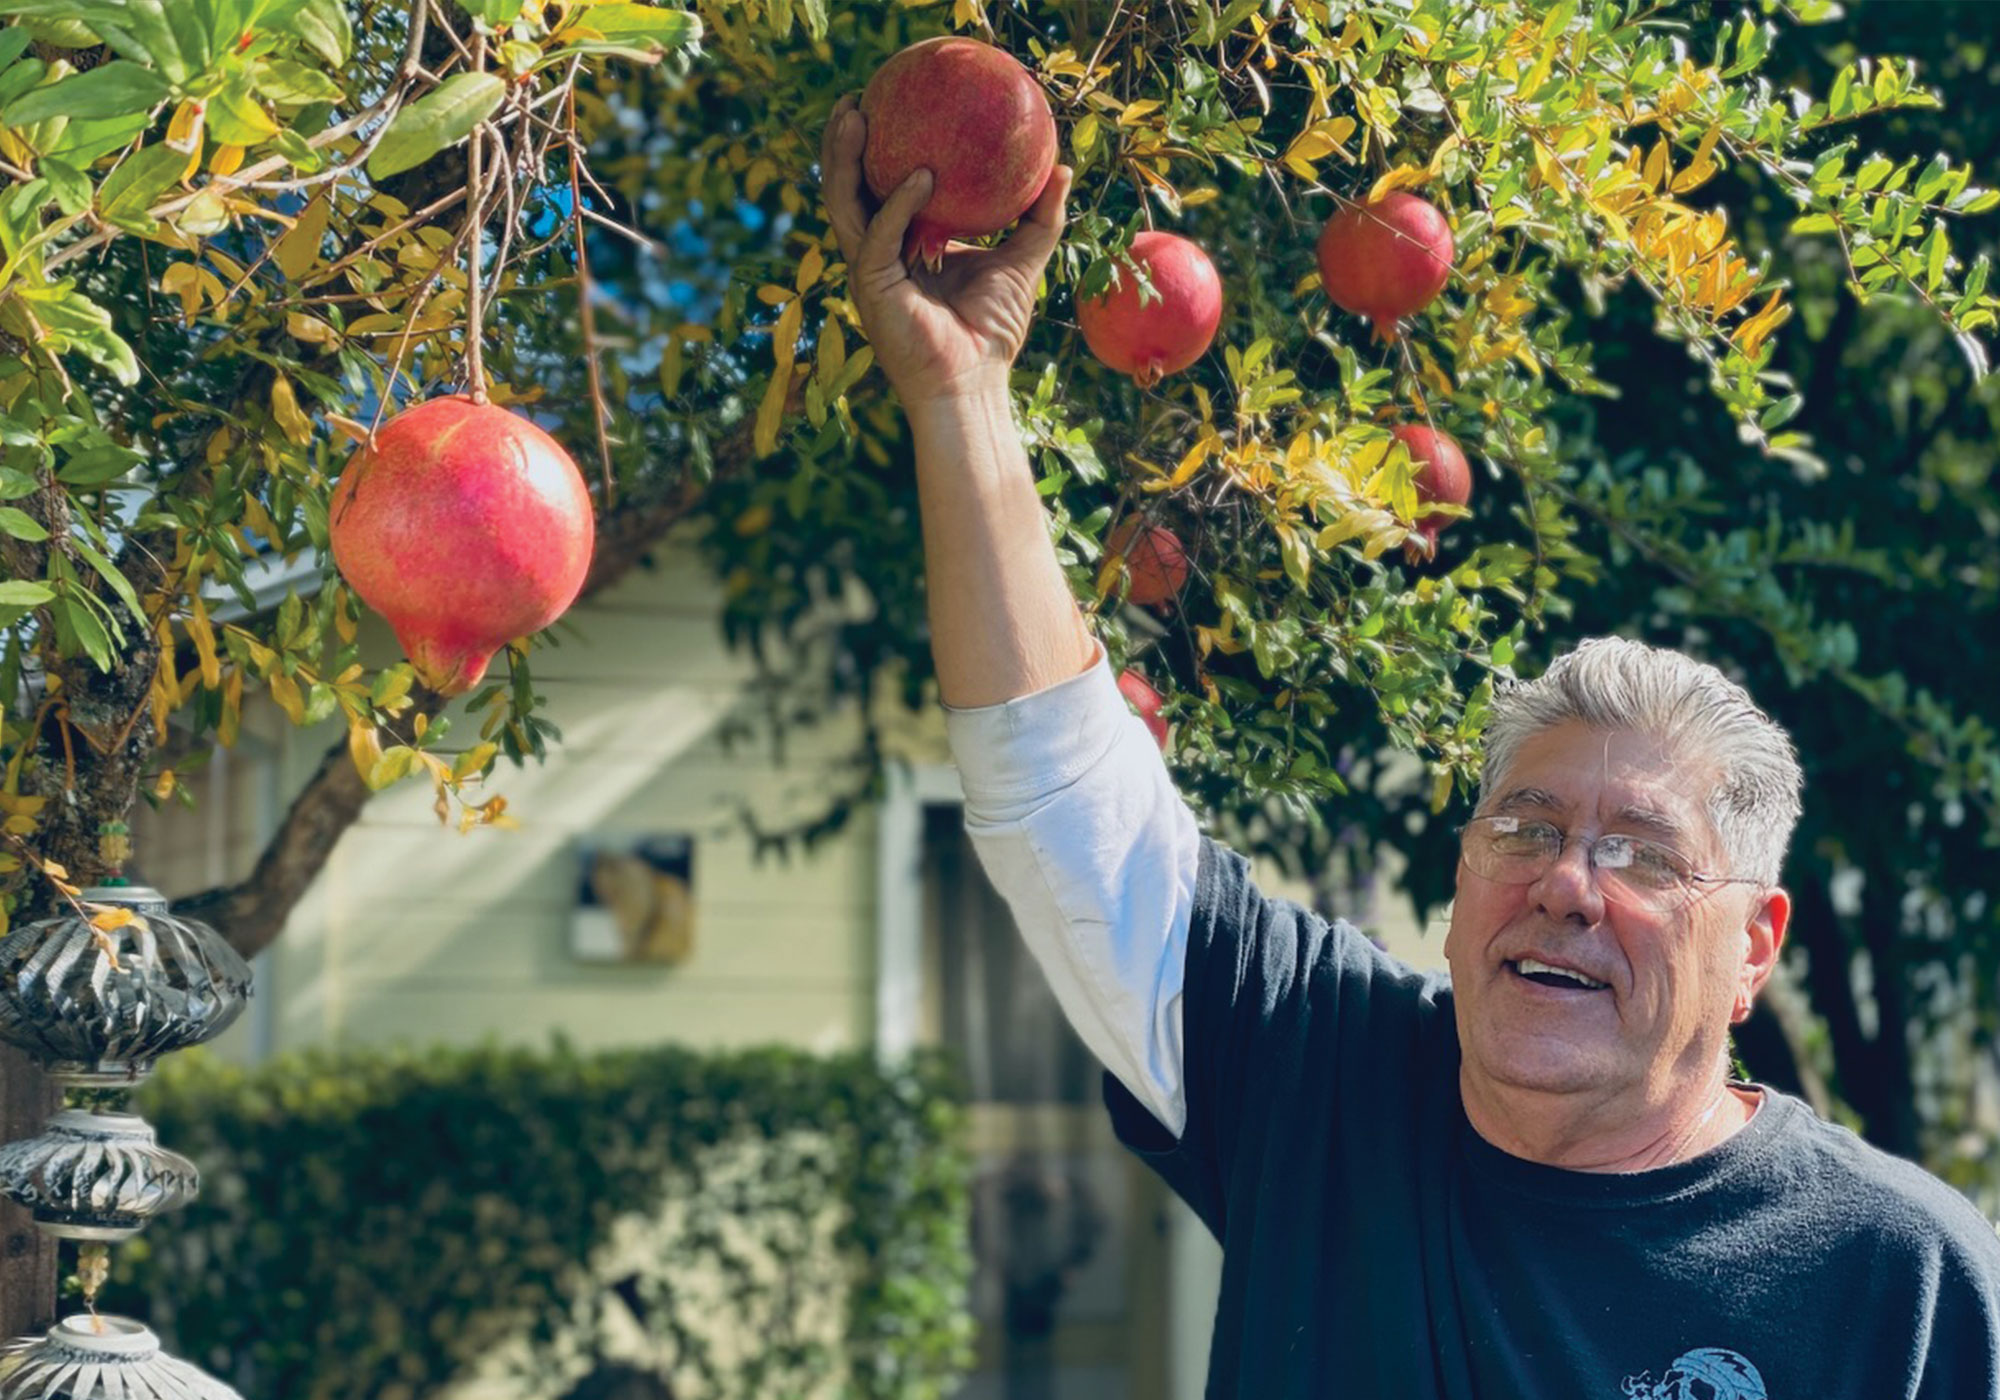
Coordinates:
column 1031, row 244
column 882, row 247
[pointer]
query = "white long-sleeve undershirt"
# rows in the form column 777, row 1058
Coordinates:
column 1078, row 825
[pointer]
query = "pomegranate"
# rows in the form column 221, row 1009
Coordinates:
column 1146, row 701
column 1149, row 339
column 1442, row 475
column 465, row 526
column 976, row 119
column 1154, row 561
column 1385, row 260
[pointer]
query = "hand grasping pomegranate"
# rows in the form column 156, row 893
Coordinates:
column 951, row 333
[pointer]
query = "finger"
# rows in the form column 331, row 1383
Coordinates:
column 882, row 248
column 840, row 175
column 1041, row 228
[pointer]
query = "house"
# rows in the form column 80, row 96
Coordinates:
column 1092, row 1280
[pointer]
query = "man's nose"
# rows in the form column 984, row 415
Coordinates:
column 1568, row 888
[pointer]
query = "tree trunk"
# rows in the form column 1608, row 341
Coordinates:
column 27, row 1257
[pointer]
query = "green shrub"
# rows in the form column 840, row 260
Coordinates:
column 374, row 1224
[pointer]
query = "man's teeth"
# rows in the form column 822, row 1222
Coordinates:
column 1525, row 966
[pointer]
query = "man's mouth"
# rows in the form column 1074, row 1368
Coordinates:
column 1549, row 975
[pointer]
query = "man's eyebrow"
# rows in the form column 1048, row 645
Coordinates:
column 1633, row 818
column 1526, row 798
column 1651, row 821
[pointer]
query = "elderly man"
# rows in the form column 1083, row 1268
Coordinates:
column 1535, row 1179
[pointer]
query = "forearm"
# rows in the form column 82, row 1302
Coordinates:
column 1003, row 621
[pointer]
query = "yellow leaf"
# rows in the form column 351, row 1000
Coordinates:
column 203, row 637
column 1751, row 335
column 397, row 763
column 772, row 295
column 810, row 268
column 184, row 133
column 297, row 425
column 309, row 330
column 183, row 280
column 785, row 339
column 18, row 826
column 832, row 353
column 1083, row 136
column 285, row 691
column 770, row 414
column 227, row 727
column 1658, row 166
column 106, row 920
column 1138, row 111
column 1404, row 177
column 226, row 160
column 297, row 249
column 364, row 746
column 163, row 786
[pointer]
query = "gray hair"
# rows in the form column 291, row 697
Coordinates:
column 1611, row 683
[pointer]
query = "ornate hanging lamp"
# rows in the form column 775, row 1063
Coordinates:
column 96, row 994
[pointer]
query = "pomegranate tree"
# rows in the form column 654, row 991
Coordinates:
column 1442, row 476
column 465, row 526
column 1387, row 259
column 1162, row 332
column 976, row 119
column 1145, row 702
column 1154, row 561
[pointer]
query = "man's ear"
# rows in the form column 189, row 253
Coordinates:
column 1770, row 918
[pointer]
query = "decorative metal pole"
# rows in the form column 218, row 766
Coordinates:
column 96, row 995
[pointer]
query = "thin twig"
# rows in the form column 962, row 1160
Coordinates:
column 600, row 412
column 475, row 220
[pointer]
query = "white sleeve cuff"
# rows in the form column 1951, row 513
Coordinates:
column 1021, row 751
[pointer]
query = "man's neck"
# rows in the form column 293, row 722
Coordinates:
column 1559, row 1131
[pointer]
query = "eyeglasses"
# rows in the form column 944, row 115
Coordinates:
column 1629, row 870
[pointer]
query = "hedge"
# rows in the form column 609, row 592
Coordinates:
column 377, row 1224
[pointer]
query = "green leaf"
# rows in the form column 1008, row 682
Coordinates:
column 97, row 466
column 291, row 84
column 71, row 187
column 118, row 89
column 120, row 585
column 82, row 142
column 436, row 121
column 22, row 526
column 323, row 26
column 495, row 14
column 130, row 190
column 71, row 321
column 673, row 28
column 235, row 118
column 77, row 629
column 19, row 597
column 301, row 153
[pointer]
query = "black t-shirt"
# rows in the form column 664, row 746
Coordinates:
column 1375, row 1245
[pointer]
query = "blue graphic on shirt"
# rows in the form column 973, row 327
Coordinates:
column 1709, row 1373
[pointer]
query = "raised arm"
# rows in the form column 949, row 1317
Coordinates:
column 1003, row 621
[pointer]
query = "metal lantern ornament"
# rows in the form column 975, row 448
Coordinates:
column 96, row 995
column 101, row 1358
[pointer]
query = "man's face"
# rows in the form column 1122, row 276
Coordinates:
column 1672, row 980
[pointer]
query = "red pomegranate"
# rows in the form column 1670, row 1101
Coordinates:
column 1442, row 475
column 1164, row 334
column 976, row 119
column 1146, row 701
column 1154, row 559
column 1385, row 260
column 465, row 526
